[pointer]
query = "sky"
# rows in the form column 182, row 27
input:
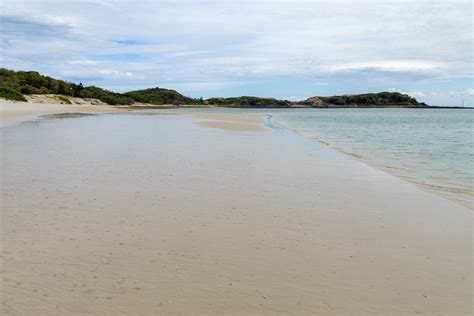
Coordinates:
column 285, row 49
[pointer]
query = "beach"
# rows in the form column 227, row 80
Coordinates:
column 14, row 112
column 193, row 213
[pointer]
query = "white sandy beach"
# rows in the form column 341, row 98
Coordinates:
column 14, row 112
column 216, row 214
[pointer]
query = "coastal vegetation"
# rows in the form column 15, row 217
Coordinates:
column 31, row 82
column 247, row 101
column 11, row 94
column 63, row 99
column 15, row 84
column 376, row 99
column 382, row 99
column 160, row 96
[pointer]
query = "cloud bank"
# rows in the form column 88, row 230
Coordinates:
column 267, row 48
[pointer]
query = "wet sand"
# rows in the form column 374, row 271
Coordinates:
column 161, row 214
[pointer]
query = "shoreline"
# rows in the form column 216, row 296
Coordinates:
column 435, row 188
column 238, row 229
column 16, row 112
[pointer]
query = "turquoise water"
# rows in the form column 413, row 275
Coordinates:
column 432, row 148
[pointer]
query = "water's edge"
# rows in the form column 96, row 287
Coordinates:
column 459, row 195
column 447, row 192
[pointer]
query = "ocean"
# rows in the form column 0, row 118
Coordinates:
column 431, row 148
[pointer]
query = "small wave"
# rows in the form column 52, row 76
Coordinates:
column 438, row 187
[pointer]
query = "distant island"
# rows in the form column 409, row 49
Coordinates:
column 15, row 85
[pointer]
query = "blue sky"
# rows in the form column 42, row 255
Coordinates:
column 285, row 49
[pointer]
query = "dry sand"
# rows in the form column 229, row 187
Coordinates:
column 14, row 112
column 153, row 215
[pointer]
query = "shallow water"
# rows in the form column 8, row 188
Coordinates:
column 432, row 148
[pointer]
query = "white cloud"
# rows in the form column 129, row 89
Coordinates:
column 294, row 98
column 115, row 73
column 212, row 45
column 202, row 86
column 469, row 91
column 414, row 94
column 393, row 65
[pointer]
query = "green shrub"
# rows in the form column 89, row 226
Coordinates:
column 10, row 94
column 371, row 99
column 247, row 101
column 161, row 96
column 32, row 82
column 63, row 99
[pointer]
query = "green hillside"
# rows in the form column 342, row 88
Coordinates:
column 11, row 94
column 17, row 83
column 160, row 96
column 248, row 102
column 371, row 100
